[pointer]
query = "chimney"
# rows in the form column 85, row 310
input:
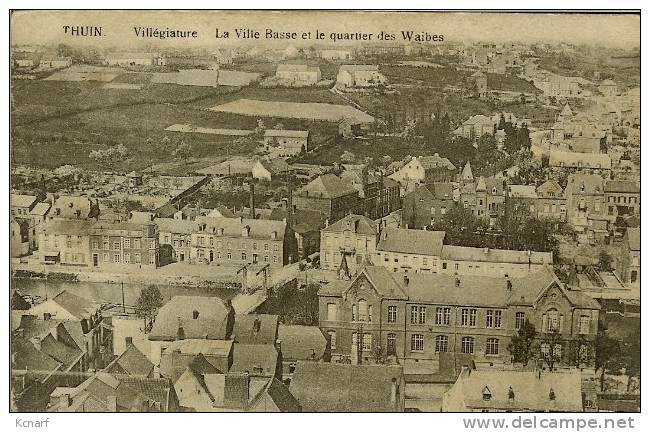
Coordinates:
column 128, row 341
column 180, row 334
column 406, row 280
column 67, row 399
column 111, row 402
column 252, row 199
column 195, row 314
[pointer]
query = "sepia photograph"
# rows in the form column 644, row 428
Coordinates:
column 324, row 211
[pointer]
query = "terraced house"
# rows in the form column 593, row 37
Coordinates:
column 133, row 242
column 415, row 317
column 242, row 241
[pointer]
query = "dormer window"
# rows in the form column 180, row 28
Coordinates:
column 274, row 235
column 487, row 394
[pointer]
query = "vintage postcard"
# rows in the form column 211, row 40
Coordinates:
column 325, row 211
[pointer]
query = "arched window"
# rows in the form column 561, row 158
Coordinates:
column 552, row 320
column 363, row 310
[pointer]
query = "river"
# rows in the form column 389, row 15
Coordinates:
column 111, row 293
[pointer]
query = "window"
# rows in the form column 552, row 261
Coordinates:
column 418, row 314
column 442, row 315
column 332, row 335
column 127, row 258
column 520, row 318
column 392, row 314
column 493, row 318
column 354, row 312
column 468, row 317
column 266, row 246
column 442, row 343
column 127, row 243
column 116, row 258
column 467, row 345
column 585, row 324
column 366, row 344
column 136, row 243
column 557, row 351
column 552, row 320
column 152, row 259
column 243, row 256
column 363, row 310
column 95, row 244
column 391, row 344
column 229, row 256
column 332, row 311
column 492, row 346
column 137, row 258
column 417, row 342
column 106, row 244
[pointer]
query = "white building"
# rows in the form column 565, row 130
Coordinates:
column 351, row 76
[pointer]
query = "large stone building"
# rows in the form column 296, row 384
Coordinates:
column 427, row 204
column 133, row 242
column 347, row 245
column 359, row 76
column 586, row 207
column 328, row 195
column 242, row 241
column 424, row 169
column 415, row 317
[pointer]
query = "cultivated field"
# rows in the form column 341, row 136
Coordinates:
column 312, row 111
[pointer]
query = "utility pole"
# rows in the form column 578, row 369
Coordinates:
column 123, row 305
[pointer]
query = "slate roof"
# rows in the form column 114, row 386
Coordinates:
column 593, row 184
column 464, row 253
column 40, row 209
column 175, row 226
column 75, row 227
column 133, row 362
column 244, row 332
column 67, row 206
column 209, row 347
column 622, row 186
column 358, row 224
column 441, row 190
column 248, row 357
column 19, row 200
column 411, row 241
column 28, row 358
column 333, row 387
column 522, row 191
column 233, row 227
column 280, row 395
column 550, row 186
column 572, row 159
column 211, row 323
column 530, row 389
column 59, row 351
column 286, row 133
column 326, row 186
column 299, row 342
column 435, row 161
column 77, row 306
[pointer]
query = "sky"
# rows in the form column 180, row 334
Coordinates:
column 46, row 27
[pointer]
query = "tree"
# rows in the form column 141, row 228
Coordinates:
column 347, row 157
column 551, row 355
column 183, row 151
column 607, row 350
column 521, row 344
column 147, row 305
column 605, row 261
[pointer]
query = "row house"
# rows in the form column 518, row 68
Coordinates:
column 347, row 245
column 359, row 76
column 415, row 317
column 486, row 197
column 551, row 202
column 623, row 198
column 65, row 241
column 571, row 162
column 132, row 242
column 242, row 241
column 330, row 196
column 379, row 196
column 427, row 205
column 299, row 74
column 587, row 208
column 421, row 251
column 175, row 239
column 424, row 170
